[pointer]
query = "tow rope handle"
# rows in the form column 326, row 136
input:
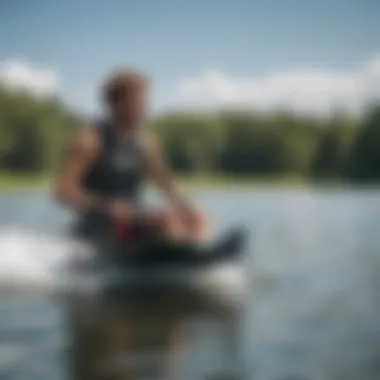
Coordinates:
column 123, row 230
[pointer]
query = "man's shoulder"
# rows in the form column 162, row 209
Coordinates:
column 86, row 139
column 147, row 138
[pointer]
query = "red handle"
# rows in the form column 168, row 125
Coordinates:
column 123, row 230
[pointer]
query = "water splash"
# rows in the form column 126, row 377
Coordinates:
column 34, row 260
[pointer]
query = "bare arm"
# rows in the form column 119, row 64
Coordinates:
column 82, row 153
column 193, row 218
column 161, row 174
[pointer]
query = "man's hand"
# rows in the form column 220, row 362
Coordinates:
column 193, row 219
column 119, row 211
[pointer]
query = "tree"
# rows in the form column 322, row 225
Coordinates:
column 365, row 157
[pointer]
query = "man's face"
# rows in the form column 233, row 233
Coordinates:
column 129, row 104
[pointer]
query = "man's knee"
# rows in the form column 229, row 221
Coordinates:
column 199, row 220
column 199, row 226
column 196, row 226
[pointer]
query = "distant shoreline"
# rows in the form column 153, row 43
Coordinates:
column 9, row 183
column 12, row 182
column 20, row 183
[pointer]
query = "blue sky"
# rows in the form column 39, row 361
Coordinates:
column 175, row 41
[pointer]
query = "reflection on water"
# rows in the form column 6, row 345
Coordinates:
column 153, row 334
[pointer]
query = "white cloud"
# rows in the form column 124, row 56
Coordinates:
column 20, row 75
column 301, row 90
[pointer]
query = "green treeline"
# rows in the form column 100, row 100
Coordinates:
column 275, row 145
column 34, row 134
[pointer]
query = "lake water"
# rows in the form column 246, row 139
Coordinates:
column 311, row 313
